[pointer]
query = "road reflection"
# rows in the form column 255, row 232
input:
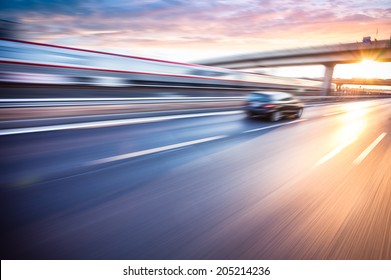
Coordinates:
column 353, row 123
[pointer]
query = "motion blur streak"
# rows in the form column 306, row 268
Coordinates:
column 108, row 123
column 243, row 196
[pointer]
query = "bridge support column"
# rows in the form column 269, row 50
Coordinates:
column 328, row 76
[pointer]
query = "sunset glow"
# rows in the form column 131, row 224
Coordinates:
column 188, row 31
column 366, row 69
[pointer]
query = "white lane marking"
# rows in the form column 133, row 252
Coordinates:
column 334, row 152
column 271, row 126
column 366, row 152
column 154, row 150
column 14, row 131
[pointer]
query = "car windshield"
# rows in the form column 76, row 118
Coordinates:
column 259, row 97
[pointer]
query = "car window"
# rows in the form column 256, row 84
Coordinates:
column 278, row 96
column 258, row 97
column 285, row 97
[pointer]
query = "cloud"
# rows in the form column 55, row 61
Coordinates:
column 358, row 17
column 198, row 26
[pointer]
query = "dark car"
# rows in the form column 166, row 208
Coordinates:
column 273, row 105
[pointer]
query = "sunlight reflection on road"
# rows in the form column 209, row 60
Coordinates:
column 353, row 122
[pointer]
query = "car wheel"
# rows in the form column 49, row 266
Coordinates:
column 276, row 116
column 299, row 113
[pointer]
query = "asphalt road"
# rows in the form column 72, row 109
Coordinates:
column 216, row 186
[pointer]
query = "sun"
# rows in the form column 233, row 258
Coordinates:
column 366, row 69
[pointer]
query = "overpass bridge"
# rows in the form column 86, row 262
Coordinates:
column 328, row 56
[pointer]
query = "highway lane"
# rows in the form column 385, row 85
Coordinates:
column 206, row 187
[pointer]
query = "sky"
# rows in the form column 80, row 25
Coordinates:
column 185, row 30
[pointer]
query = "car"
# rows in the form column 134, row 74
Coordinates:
column 273, row 105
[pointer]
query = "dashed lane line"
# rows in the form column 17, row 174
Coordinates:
column 366, row 152
column 171, row 147
column 334, row 152
column 153, row 151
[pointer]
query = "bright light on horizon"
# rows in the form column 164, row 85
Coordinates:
column 366, row 69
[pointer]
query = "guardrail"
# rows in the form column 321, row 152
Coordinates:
column 59, row 102
column 30, row 108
